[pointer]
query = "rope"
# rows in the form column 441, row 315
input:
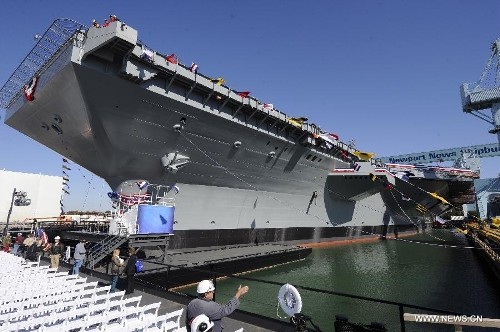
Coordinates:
column 296, row 209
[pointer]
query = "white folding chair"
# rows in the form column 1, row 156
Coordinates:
column 173, row 320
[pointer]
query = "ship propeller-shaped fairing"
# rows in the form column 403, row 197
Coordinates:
column 174, row 161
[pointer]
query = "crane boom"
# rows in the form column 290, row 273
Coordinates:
column 480, row 151
column 485, row 93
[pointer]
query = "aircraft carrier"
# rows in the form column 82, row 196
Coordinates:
column 237, row 171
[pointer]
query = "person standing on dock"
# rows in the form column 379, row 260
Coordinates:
column 116, row 264
column 18, row 243
column 79, row 256
column 56, row 250
column 205, row 305
column 129, row 271
column 6, row 241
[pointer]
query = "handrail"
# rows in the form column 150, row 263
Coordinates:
column 401, row 306
column 48, row 46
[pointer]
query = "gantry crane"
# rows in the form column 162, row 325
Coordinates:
column 485, row 93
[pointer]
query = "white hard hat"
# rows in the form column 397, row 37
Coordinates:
column 19, row 234
column 205, row 286
column 57, row 238
column 201, row 323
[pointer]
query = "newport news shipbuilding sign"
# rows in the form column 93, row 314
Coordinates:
column 483, row 150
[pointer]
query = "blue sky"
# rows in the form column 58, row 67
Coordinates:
column 384, row 73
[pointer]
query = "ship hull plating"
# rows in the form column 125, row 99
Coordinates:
column 261, row 189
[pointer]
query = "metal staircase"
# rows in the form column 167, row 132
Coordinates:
column 103, row 249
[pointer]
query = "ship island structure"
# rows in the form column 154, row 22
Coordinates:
column 236, row 170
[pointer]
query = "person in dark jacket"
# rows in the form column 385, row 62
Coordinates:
column 56, row 250
column 129, row 271
column 32, row 252
column 205, row 305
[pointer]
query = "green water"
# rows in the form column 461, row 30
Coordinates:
column 418, row 274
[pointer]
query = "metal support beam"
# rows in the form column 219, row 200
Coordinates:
column 237, row 110
column 171, row 81
column 191, row 89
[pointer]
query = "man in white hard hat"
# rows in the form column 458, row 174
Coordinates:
column 201, row 323
column 204, row 305
column 55, row 251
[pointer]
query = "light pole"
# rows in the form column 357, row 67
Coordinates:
column 19, row 198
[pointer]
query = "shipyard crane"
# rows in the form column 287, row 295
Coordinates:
column 484, row 94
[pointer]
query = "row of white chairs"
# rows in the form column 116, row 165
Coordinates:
column 62, row 302
column 35, row 289
column 41, row 299
column 128, row 315
column 45, row 276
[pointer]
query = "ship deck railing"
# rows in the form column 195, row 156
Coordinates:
column 47, row 48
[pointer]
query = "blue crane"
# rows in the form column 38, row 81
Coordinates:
column 484, row 94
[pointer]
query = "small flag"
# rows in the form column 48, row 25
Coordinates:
column 142, row 184
column 193, row 68
column 218, row 80
column 65, row 160
column 243, row 94
column 387, row 185
column 65, row 191
column 268, row 107
column 436, row 196
column 357, row 167
column 147, row 54
column 297, row 122
column 66, row 167
column 45, row 238
column 364, row 155
column 405, row 198
column 329, row 137
column 29, row 89
column 65, row 179
column 172, row 58
column 373, row 177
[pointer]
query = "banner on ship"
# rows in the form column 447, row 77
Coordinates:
column 483, row 150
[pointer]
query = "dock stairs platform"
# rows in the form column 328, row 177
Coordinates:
column 104, row 248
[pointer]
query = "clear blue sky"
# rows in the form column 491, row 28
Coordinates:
column 384, row 73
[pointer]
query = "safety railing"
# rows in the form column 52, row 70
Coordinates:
column 47, row 47
column 164, row 284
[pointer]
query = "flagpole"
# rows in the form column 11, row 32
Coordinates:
column 6, row 229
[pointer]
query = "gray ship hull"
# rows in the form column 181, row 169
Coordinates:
column 102, row 108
